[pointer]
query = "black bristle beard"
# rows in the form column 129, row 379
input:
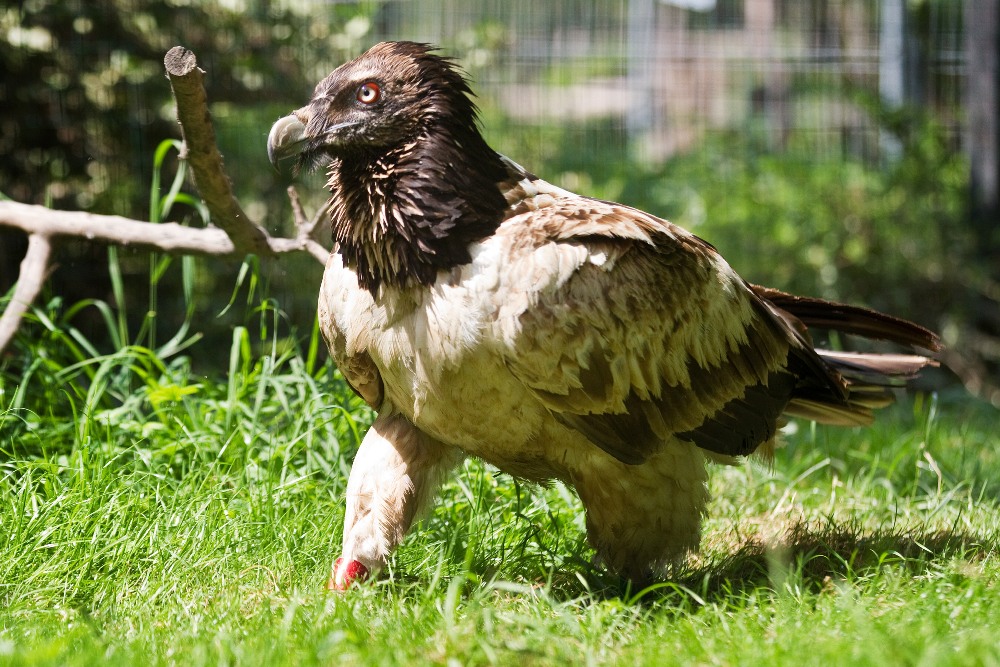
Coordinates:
column 401, row 216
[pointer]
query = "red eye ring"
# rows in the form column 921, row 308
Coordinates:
column 369, row 93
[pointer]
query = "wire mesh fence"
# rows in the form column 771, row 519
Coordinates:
column 631, row 79
column 664, row 74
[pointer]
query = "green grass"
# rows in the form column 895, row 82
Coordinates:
column 152, row 512
column 154, row 515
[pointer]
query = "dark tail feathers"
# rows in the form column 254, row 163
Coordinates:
column 868, row 378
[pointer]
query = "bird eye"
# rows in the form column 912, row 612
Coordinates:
column 369, row 93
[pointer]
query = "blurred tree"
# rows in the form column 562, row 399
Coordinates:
column 85, row 102
column 983, row 102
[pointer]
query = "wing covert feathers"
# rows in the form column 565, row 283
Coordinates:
column 649, row 335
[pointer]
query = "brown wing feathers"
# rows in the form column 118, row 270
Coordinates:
column 664, row 301
column 729, row 404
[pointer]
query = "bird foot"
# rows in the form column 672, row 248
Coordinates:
column 346, row 574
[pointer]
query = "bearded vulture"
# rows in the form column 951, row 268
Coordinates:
column 484, row 312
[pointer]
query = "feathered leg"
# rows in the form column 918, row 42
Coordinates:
column 396, row 472
column 641, row 518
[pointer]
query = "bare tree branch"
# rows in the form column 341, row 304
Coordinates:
column 235, row 236
column 303, row 223
column 168, row 236
column 203, row 155
column 305, row 227
column 29, row 283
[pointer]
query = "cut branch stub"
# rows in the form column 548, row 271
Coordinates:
column 180, row 61
column 186, row 79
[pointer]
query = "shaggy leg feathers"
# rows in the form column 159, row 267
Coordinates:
column 397, row 470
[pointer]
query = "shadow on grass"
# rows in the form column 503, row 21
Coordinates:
column 808, row 559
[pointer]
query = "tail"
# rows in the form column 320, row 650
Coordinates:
column 855, row 383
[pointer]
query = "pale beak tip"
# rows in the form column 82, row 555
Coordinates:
column 286, row 139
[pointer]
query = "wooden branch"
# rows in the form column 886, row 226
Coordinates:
column 168, row 236
column 306, row 228
column 34, row 268
column 201, row 152
column 43, row 224
column 235, row 236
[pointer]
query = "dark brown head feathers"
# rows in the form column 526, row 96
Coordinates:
column 412, row 179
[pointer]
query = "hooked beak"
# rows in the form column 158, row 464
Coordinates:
column 298, row 136
column 287, row 138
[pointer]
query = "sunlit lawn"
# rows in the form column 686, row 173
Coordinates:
column 151, row 516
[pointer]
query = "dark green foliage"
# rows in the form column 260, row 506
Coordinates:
column 86, row 103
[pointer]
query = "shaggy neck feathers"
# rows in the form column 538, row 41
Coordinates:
column 401, row 215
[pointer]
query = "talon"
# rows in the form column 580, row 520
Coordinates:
column 346, row 574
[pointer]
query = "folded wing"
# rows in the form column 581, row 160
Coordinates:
column 653, row 336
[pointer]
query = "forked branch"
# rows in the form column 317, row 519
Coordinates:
column 235, row 236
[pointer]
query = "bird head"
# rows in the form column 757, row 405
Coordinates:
column 413, row 183
column 383, row 100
